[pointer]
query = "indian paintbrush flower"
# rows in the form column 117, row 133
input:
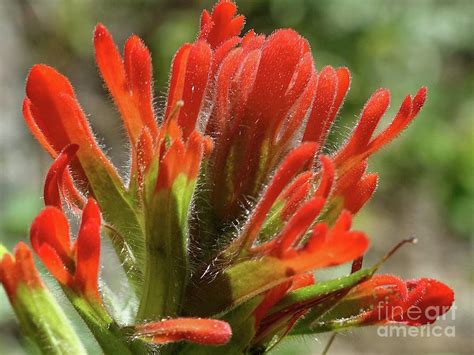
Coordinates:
column 231, row 202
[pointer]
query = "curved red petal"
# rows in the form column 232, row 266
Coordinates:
column 54, row 183
column 51, row 227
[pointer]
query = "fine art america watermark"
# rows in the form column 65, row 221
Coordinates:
column 415, row 313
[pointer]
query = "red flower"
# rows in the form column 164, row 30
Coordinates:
column 75, row 266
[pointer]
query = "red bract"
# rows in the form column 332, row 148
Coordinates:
column 196, row 330
column 252, row 130
column 19, row 270
column 222, row 24
column 56, row 120
column 129, row 81
column 75, row 266
column 388, row 299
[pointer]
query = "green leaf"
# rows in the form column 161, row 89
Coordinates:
column 42, row 320
column 235, row 285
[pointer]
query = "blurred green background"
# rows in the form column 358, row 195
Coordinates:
column 427, row 175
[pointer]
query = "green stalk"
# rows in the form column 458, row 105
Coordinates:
column 43, row 321
column 167, row 264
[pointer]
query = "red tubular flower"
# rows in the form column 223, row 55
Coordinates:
column 196, row 330
column 75, row 266
column 19, row 270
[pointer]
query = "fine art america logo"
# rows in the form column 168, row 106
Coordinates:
column 415, row 314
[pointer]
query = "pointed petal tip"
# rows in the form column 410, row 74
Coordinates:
column 100, row 31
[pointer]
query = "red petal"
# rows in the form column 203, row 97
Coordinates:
column 324, row 249
column 343, row 83
column 371, row 115
column 49, row 236
column 55, row 265
column 144, row 154
column 327, row 177
column 298, row 112
column 407, row 112
column 271, row 298
column 386, row 298
column 281, row 54
column 43, row 88
column 221, row 52
column 294, row 195
column 139, row 71
column 177, row 79
column 35, row 130
column 195, row 83
column 181, row 159
column 302, row 280
column 347, row 179
column 222, row 115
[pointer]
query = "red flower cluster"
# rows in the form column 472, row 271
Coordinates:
column 246, row 116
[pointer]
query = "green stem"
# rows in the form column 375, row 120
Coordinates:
column 42, row 320
column 167, row 265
